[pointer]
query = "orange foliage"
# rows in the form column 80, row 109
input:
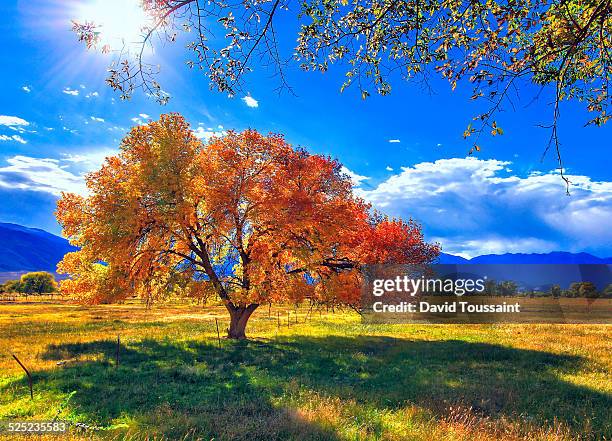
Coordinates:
column 245, row 216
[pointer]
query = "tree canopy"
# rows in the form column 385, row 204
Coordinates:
column 490, row 44
column 245, row 217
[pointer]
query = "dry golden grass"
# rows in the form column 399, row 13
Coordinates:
column 329, row 377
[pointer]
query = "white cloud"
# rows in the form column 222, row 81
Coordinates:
column 11, row 121
column 92, row 95
column 475, row 206
column 39, row 174
column 96, row 119
column 140, row 119
column 89, row 160
column 51, row 175
column 26, row 89
column 15, row 138
column 250, row 101
column 389, row 168
column 69, row 91
column 394, row 141
column 207, row 133
column 355, row 178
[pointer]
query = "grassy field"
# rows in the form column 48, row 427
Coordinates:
column 328, row 378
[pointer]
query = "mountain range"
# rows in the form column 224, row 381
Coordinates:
column 25, row 249
column 555, row 257
column 30, row 249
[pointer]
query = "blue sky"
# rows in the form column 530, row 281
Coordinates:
column 58, row 120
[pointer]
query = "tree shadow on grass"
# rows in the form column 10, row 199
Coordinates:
column 249, row 390
column 177, row 390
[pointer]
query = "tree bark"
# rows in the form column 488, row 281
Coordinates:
column 239, row 316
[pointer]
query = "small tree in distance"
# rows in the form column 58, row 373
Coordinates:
column 40, row 282
column 245, row 217
column 507, row 288
column 556, row 291
column 12, row 286
column 34, row 283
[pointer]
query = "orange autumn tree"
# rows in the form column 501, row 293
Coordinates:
column 245, row 217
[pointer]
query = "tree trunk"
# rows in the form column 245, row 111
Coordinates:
column 239, row 316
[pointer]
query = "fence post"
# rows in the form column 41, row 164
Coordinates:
column 117, row 352
column 28, row 374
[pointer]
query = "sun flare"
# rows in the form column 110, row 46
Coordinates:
column 120, row 23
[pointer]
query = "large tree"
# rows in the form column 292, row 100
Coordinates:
column 245, row 217
column 493, row 44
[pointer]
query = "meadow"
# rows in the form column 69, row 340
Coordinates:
column 323, row 376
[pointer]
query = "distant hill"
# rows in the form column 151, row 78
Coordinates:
column 451, row 259
column 555, row 257
column 30, row 249
column 532, row 271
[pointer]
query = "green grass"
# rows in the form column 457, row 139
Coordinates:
column 331, row 378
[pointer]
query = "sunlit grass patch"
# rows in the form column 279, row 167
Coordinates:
column 327, row 377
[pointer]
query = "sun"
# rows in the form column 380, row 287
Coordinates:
column 120, row 23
